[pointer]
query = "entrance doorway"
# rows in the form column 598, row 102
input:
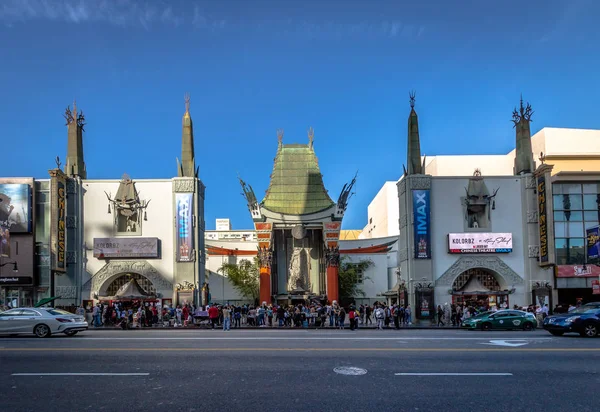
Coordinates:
column 479, row 288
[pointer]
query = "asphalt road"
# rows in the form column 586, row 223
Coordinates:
column 198, row 370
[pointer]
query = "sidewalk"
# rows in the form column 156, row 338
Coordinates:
column 245, row 327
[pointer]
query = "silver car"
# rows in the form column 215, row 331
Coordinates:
column 42, row 322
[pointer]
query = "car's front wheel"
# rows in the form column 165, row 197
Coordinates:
column 41, row 331
column 589, row 330
column 486, row 326
column 71, row 332
column 527, row 326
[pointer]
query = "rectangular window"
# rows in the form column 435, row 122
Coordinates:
column 590, row 202
column 570, row 251
column 568, row 216
column 571, row 188
column 591, row 188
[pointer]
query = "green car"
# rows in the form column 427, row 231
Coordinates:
column 502, row 319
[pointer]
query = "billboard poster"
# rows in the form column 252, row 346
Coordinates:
column 425, row 305
column 592, row 247
column 480, row 242
column 543, row 219
column 58, row 227
column 15, row 207
column 578, row 271
column 595, row 287
column 184, row 229
column 4, row 242
column 422, row 224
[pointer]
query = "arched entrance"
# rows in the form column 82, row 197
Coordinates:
column 122, row 280
column 479, row 288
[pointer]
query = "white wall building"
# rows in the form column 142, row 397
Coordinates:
column 382, row 213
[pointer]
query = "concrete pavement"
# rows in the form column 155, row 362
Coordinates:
column 193, row 370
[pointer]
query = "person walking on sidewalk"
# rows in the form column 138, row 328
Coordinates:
column 213, row 315
column 440, row 315
column 226, row 319
column 368, row 315
column 379, row 316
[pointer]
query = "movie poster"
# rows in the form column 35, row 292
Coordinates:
column 422, row 224
column 184, row 226
column 4, row 242
column 15, row 207
column 593, row 244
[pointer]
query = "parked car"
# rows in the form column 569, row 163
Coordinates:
column 584, row 320
column 42, row 322
column 502, row 319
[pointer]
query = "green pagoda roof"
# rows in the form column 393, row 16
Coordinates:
column 296, row 186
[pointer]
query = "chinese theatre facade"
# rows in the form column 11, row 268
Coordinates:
column 476, row 240
column 298, row 228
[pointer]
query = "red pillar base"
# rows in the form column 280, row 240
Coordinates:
column 333, row 288
column 265, row 285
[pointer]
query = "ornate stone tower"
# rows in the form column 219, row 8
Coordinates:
column 413, row 151
column 524, row 155
column 414, row 199
column 75, row 165
column 188, row 202
column 187, row 166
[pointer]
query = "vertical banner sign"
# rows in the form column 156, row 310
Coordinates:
column 185, row 238
column 422, row 224
column 4, row 242
column 542, row 219
column 593, row 244
column 58, row 232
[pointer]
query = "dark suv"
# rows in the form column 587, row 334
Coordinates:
column 584, row 320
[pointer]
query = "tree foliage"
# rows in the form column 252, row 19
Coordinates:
column 348, row 277
column 244, row 276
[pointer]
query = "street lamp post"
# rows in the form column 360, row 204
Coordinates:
column 15, row 267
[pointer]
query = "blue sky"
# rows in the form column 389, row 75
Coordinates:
column 343, row 67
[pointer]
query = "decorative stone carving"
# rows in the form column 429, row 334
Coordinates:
column 402, row 186
column 71, row 222
column 493, row 263
column 403, row 221
column 420, row 182
column 265, row 257
column 534, row 251
column 530, row 182
column 102, row 279
column 532, row 216
column 332, row 256
column 71, row 257
column 183, row 185
column 66, row 292
column 403, row 255
column 71, row 186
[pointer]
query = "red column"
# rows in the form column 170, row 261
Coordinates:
column 264, row 277
column 332, row 256
column 333, row 289
column 265, row 285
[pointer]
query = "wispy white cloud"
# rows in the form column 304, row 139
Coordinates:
column 123, row 13
column 390, row 28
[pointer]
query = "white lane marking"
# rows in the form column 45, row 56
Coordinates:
column 282, row 338
column 350, row 371
column 79, row 374
column 453, row 374
column 513, row 344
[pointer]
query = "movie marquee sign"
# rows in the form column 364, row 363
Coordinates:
column 139, row 247
column 58, row 226
column 480, row 243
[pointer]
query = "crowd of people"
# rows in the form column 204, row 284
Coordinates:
column 380, row 315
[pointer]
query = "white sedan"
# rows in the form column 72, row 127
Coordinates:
column 42, row 322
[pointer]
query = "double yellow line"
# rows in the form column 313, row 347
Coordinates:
column 170, row 349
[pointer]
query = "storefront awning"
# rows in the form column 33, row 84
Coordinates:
column 45, row 301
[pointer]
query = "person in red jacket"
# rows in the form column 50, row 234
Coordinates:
column 213, row 314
